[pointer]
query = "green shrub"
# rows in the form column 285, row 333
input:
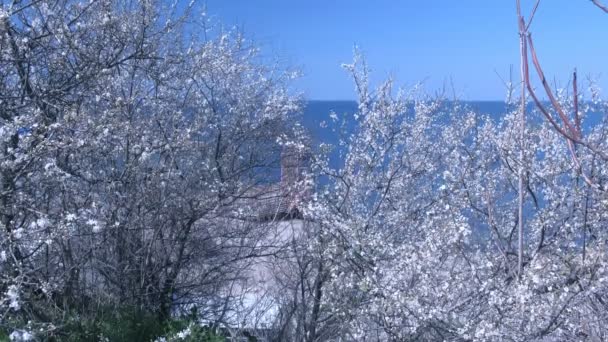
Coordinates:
column 187, row 331
column 112, row 325
column 125, row 325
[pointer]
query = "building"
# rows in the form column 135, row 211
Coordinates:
column 274, row 216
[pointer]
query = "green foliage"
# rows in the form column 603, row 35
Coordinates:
column 129, row 325
column 186, row 331
column 112, row 325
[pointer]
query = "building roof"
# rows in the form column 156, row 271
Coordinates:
column 273, row 202
column 283, row 200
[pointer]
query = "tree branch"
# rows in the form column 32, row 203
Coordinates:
column 600, row 5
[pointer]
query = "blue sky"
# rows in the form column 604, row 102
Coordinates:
column 430, row 41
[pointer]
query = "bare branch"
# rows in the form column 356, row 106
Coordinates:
column 532, row 15
column 577, row 118
column 600, row 5
column 549, row 91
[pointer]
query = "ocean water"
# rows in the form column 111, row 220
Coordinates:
column 322, row 129
column 317, row 113
column 316, row 116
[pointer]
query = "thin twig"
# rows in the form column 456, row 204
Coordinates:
column 600, row 5
column 577, row 117
column 548, row 89
column 522, row 135
column 532, row 15
column 573, row 133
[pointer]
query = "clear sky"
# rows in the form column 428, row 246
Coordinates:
column 423, row 40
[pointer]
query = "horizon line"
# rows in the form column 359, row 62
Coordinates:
column 354, row 100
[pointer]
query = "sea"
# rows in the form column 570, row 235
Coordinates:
column 317, row 120
column 316, row 116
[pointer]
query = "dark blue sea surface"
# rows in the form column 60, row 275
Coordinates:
column 323, row 129
column 317, row 120
column 316, row 116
